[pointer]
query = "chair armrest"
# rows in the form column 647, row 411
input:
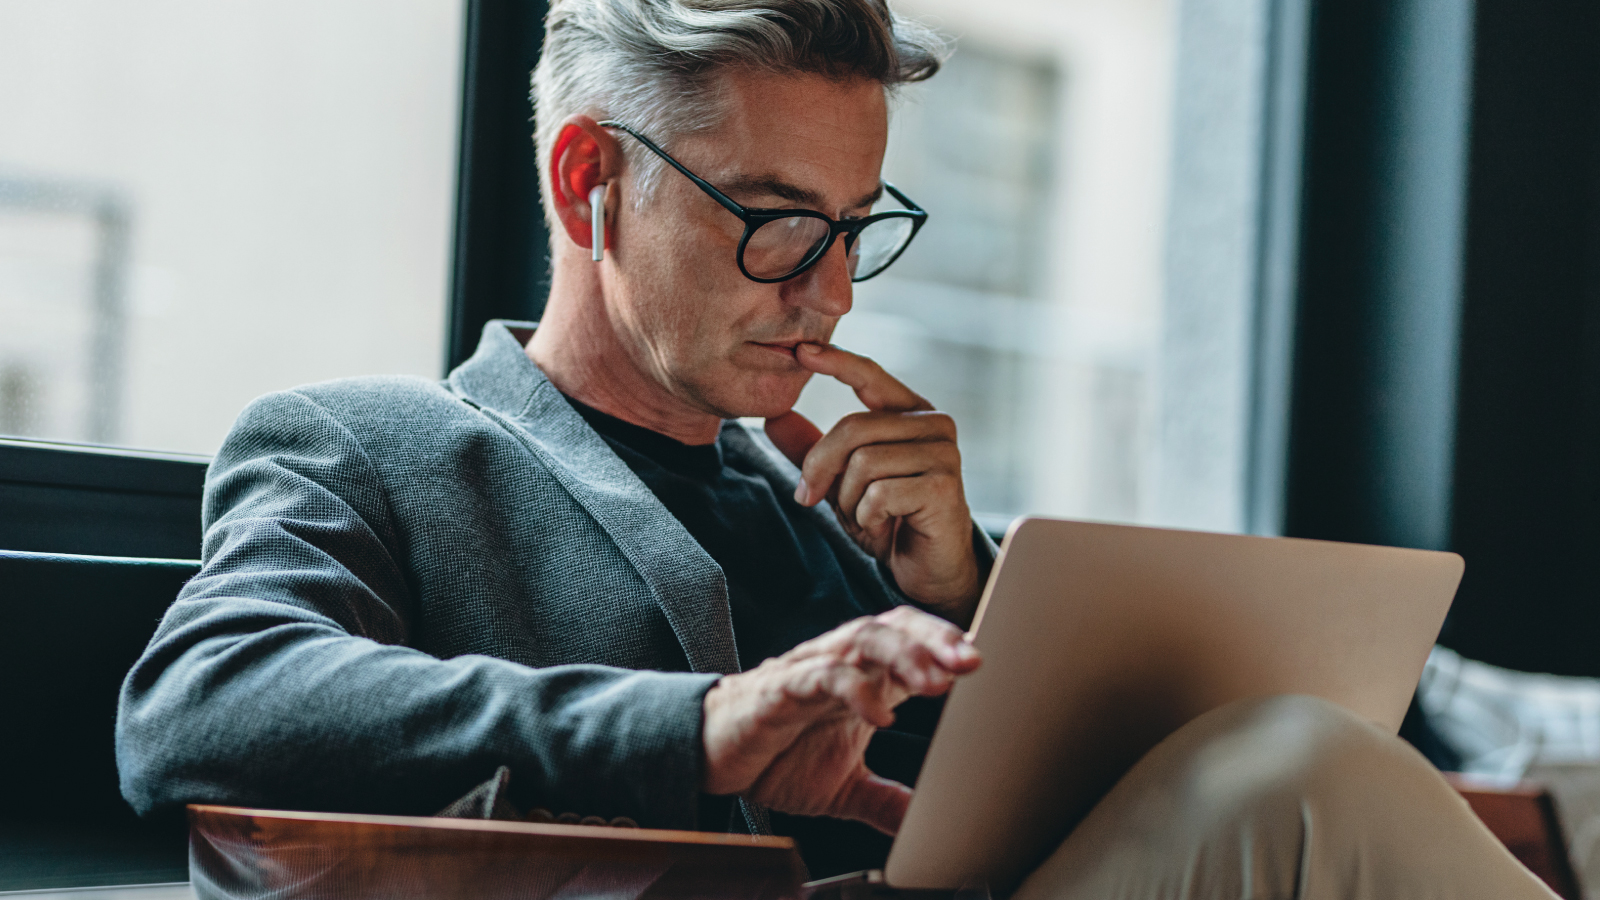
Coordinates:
column 1522, row 815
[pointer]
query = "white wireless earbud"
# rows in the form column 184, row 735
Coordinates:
column 597, row 222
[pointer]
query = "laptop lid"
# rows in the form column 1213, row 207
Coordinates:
column 1101, row 640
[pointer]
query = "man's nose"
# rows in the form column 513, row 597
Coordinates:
column 825, row 287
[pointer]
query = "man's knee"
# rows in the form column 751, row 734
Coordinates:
column 1263, row 770
column 1226, row 805
column 1291, row 736
column 1280, row 753
column 1282, row 796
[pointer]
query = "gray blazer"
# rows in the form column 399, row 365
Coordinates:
column 407, row 584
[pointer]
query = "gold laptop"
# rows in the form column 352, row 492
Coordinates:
column 1100, row 640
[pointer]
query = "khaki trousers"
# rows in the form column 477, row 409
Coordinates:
column 1277, row 798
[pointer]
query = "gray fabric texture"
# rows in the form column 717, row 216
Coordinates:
column 407, row 584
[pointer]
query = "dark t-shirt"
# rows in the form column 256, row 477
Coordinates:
column 785, row 587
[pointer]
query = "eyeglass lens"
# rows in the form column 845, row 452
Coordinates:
column 878, row 245
column 781, row 246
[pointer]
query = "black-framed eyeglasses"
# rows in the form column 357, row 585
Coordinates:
column 779, row 244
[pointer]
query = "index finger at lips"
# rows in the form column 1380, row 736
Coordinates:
column 873, row 386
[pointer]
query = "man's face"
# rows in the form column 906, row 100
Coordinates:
column 686, row 314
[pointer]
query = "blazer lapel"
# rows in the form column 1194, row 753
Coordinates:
column 686, row 581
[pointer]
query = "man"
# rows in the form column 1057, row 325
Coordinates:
column 567, row 559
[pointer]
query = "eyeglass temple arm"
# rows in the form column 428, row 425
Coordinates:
column 903, row 198
column 728, row 202
column 701, row 183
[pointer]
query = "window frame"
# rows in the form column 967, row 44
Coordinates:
column 500, row 267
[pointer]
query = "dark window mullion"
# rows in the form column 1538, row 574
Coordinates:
column 500, row 265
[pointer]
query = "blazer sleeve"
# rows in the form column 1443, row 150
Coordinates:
column 280, row 676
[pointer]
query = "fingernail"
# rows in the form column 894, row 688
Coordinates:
column 808, row 348
column 966, row 651
column 801, row 493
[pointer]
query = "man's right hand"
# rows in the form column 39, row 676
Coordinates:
column 790, row 733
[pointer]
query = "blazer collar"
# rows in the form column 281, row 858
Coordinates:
column 499, row 373
column 502, row 381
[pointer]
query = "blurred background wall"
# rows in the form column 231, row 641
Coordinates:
column 285, row 176
column 1031, row 305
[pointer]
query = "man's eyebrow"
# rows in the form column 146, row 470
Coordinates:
column 870, row 198
column 784, row 190
column 777, row 187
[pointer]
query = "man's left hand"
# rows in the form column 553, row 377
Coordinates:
column 893, row 475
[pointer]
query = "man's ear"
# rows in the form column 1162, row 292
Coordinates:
column 584, row 156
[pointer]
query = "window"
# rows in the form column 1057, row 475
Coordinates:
column 63, row 275
column 202, row 202
column 1030, row 307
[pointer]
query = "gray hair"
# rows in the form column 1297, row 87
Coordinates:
column 654, row 63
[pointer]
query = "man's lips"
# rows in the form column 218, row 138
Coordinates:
column 784, row 347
